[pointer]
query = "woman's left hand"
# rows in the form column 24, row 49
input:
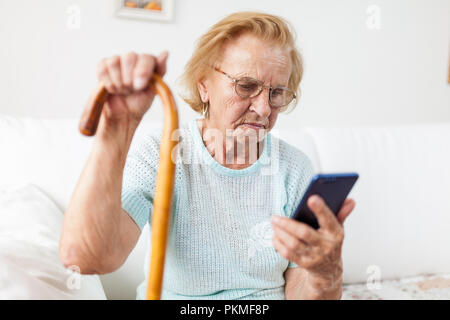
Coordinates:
column 316, row 251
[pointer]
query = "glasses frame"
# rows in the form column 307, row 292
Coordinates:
column 261, row 87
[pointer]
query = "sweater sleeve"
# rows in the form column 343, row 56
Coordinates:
column 139, row 178
column 300, row 174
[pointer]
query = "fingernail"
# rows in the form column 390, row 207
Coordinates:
column 139, row 83
column 317, row 202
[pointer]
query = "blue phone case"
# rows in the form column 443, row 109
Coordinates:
column 333, row 188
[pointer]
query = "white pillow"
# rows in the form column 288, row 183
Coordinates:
column 30, row 227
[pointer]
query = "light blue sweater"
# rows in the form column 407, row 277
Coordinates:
column 220, row 240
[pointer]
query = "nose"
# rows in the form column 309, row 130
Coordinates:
column 260, row 104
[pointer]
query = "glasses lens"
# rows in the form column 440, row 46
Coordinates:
column 280, row 97
column 247, row 87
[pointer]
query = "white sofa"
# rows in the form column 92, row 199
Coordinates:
column 399, row 228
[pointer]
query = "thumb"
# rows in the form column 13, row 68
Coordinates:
column 347, row 208
column 161, row 63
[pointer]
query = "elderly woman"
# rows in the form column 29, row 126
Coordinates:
column 231, row 235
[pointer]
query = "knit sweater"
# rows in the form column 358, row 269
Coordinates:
column 220, row 237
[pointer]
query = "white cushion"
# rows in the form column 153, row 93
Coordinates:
column 302, row 140
column 49, row 153
column 30, row 227
column 401, row 221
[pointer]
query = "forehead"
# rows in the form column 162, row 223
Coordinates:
column 248, row 55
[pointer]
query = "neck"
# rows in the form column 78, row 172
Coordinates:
column 229, row 151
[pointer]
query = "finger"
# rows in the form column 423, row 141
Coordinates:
column 281, row 248
column 161, row 63
column 326, row 218
column 297, row 229
column 128, row 62
column 103, row 76
column 113, row 66
column 143, row 70
column 347, row 208
column 290, row 241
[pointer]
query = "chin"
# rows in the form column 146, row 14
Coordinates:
column 249, row 131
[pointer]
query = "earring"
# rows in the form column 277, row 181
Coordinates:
column 205, row 110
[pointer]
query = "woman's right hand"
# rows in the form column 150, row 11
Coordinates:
column 126, row 78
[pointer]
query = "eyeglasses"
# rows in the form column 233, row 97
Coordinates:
column 247, row 87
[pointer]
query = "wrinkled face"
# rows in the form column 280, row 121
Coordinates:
column 245, row 56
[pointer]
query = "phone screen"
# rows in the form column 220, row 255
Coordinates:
column 333, row 188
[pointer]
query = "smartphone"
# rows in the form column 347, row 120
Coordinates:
column 333, row 188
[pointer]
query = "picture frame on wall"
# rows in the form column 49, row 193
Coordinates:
column 150, row 10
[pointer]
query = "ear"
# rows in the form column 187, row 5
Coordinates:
column 203, row 90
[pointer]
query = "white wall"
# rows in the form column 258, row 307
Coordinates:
column 354, row 75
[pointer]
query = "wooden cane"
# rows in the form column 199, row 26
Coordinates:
column 164, row 180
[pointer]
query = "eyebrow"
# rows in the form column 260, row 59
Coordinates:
column 246, row 75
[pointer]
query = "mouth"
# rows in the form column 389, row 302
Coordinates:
column 254, row 125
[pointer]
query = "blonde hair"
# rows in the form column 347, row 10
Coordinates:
column 208, row 50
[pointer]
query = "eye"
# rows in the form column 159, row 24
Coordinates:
column 277, row 92
column 248, row 85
